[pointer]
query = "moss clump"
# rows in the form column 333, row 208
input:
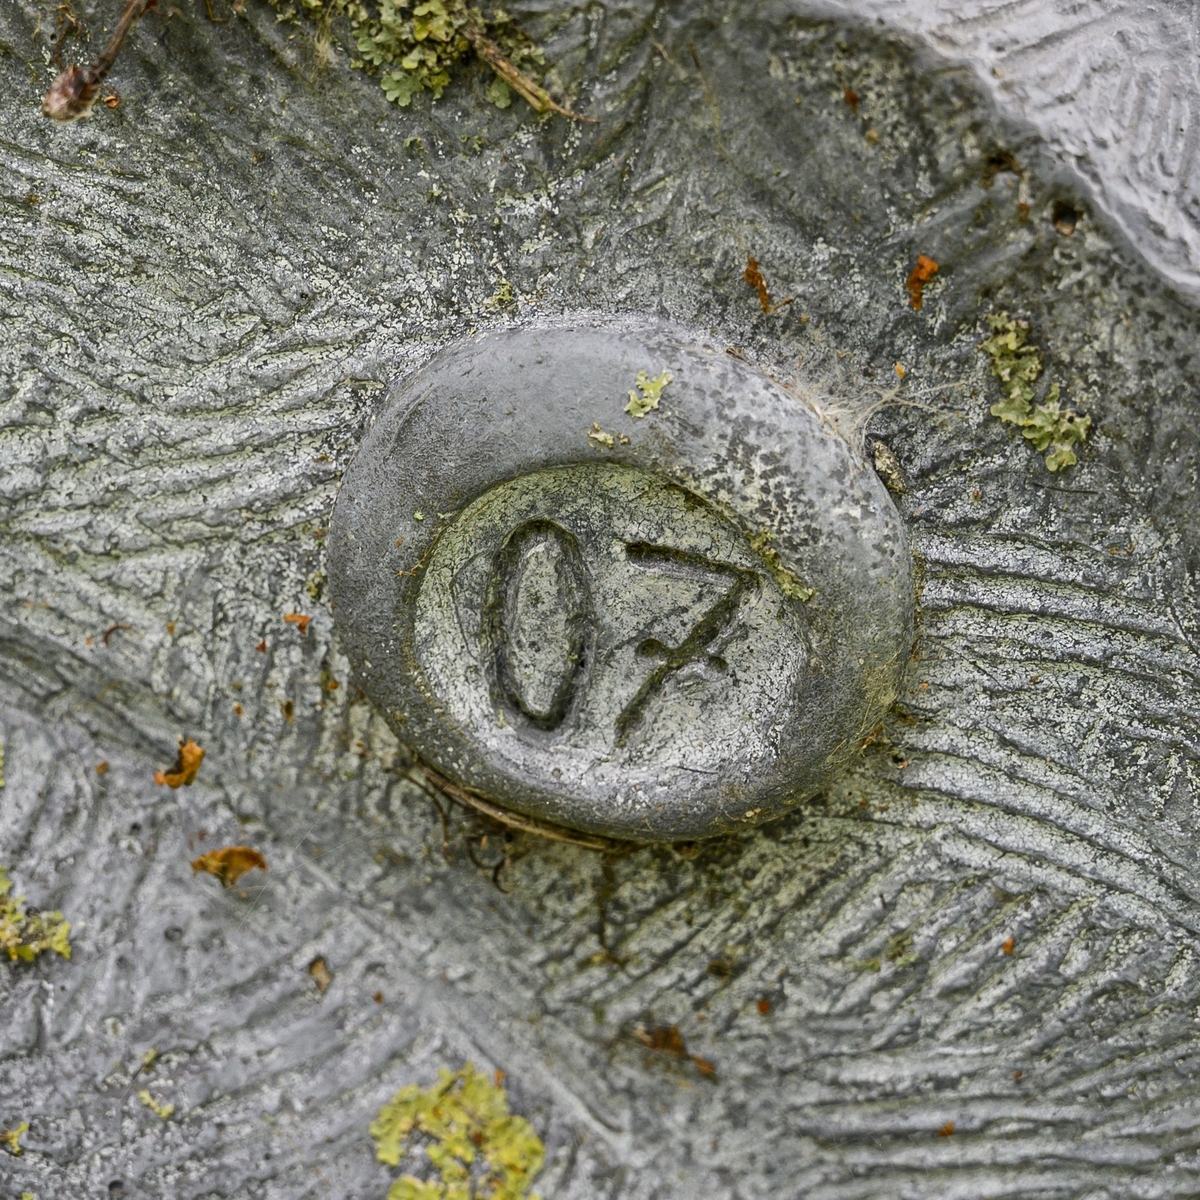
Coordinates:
column 415, row 48
column 1017, row 366
column 24, row 935
column 466, row 1131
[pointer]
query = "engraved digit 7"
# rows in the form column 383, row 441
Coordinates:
column 715, row 621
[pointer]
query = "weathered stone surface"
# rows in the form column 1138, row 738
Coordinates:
column 205, row 294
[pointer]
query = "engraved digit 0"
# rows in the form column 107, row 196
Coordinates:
column 538, row 624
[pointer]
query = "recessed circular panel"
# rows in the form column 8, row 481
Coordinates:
column 652, row 627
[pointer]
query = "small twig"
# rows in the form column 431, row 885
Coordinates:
column 532, row 93
column 68, row 23
column 441, row 812
column 73, row 93
column 514, row 820
column 496, row 875
column 493, row 870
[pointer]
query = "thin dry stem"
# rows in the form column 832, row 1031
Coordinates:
column 514, row 820
column 532, row 93
column 73, row 94
column 68, row 23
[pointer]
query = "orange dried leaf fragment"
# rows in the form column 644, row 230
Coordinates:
column 300, row 620
column 918, row 277
column 754, row 278
column 322, row 976
column 187, row 764
column 230, row 863
column 666, row 1039
column 1008, row 946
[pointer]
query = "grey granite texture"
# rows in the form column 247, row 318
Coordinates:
column 203, row 297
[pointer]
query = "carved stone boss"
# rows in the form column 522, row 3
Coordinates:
column 650, row 627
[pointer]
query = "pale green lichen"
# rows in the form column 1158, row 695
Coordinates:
column 651, row 392
column 499, row 93
column 899, row 949
column 155, row 1106
column 503, row 299
column 416, row 47
column 463, row 1126
column 1017, row 365
column 605, row 439
column 13, row 1137
column 790, row 584
column 24, row 935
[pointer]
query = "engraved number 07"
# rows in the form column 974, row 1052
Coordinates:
column 574, row 588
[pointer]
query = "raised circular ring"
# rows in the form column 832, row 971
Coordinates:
column 616, row 580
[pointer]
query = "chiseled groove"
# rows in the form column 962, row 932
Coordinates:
column 1055, row 641
column 1051, row 942
column 981, row 953
column 1026, row 556
column 1022, row 597
column 1029, row 830
column 1037, row 788
column 1051, row 644
column 1167, row 712
column 1175, row 1065
column 1011, row 981
column 636, row 990
column 966, row 840
column 916, row 1145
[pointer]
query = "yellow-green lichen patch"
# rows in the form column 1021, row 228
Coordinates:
column 415, row 48
column 25, row 935
column 1017, row 365
column 503, row 299
column 790, row 584
column 155, row 1106
column 12, row 1137
column 463, row 1126
column 651, row 392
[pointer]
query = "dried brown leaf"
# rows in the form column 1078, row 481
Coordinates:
column 321, row 974
column 918, row 277
column 230, row 864
column 187, row 764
